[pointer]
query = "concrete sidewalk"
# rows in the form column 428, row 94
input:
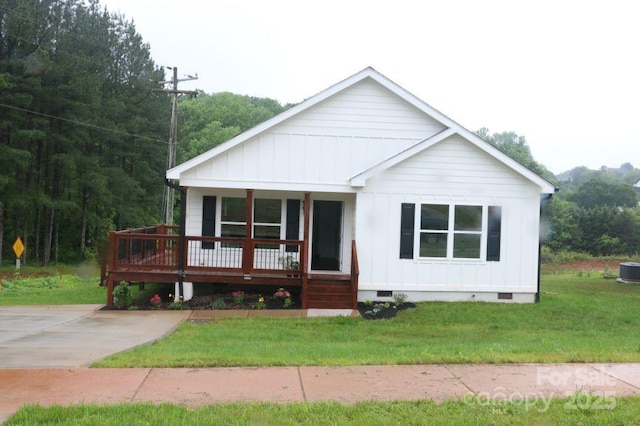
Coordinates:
column 203, row 386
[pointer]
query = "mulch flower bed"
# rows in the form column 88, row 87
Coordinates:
column 228, row 298
column 382, row 310
column 225, row 299
column 245, row 300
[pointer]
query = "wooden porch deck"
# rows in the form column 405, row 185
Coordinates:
column 151, row 254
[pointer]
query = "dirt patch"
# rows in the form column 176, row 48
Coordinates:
column 24, row 274
column 592, row 265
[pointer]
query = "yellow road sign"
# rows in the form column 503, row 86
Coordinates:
column 18, row 247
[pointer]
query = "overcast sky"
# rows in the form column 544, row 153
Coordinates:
column 565, row 74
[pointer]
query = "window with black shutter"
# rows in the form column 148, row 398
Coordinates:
column 494, row 228
column 208, row 220
column 292, row 231
column 407, row 225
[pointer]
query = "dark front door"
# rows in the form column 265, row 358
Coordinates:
column 326, row 237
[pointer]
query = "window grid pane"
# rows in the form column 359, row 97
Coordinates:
column 466, row 246
column 434, row 217
column 433, row 244
column 234, row 210
column 468, row 218
column 267, row 211
column 234, row 231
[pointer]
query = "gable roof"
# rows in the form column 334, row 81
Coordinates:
column 361, row 178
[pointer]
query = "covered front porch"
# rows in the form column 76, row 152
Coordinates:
column 164, row 254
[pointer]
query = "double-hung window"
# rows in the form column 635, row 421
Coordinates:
column 273, row 219
column 267, row 219
column 451, row 231
column 233, row 219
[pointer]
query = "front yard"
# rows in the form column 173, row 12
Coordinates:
column 581, row 318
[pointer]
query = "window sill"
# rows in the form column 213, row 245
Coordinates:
column 440, row 260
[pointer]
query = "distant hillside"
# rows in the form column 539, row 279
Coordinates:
column 625, row 174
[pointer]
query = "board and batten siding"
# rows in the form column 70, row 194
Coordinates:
column 451, row 172
column 326, row 144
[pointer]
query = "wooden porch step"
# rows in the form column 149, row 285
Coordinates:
column 325, row 293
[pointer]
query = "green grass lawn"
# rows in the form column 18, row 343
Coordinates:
column 51, row 286
column 460, row 412
column 581, row 318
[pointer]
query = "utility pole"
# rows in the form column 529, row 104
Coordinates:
column 173, row 134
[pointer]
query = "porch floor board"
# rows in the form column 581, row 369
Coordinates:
column 201, row 275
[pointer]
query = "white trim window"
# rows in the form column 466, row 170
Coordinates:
column 450, row 231
column 267, row 216
column 233, row 219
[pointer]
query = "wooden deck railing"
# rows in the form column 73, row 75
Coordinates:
column 355, row 272
column 156, row 248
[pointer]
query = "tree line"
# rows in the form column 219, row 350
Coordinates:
column 80, row 134
column 84, row 140
column 594, row 211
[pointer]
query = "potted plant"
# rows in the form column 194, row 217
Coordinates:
column 289, row 263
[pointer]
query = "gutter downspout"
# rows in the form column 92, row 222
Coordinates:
column 181, row 232
column 543, row 201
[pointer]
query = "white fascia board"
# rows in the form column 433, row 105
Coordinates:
column 269, row 186
column 360, row 179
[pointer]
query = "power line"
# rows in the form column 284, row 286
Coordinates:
column 83, row 124
column 173, row 133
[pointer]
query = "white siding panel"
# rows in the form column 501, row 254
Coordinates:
column 451, row 167
column 296, row 164
column 365, row 109
column 326, row 144
column 266, row 156
column 283, row 162
column 236, row 164
column 451, row 172
column 313, row 152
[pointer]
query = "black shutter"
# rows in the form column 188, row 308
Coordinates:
column 292, row 231
column 407, row 224
column 208, row 220
column 493, row 233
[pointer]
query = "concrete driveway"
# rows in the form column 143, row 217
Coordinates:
column 76, row 335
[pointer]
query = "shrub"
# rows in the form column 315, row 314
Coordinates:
column 177, row 306
column 122, row 296
column 400, row 298
column 219, row 303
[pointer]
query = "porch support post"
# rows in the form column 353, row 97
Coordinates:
column 112, row 253
column 247, row 248
column 305, row 247
column 110, row 285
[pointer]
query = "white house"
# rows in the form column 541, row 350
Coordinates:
column 435, row 212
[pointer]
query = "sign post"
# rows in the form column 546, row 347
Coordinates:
column 18, row 249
